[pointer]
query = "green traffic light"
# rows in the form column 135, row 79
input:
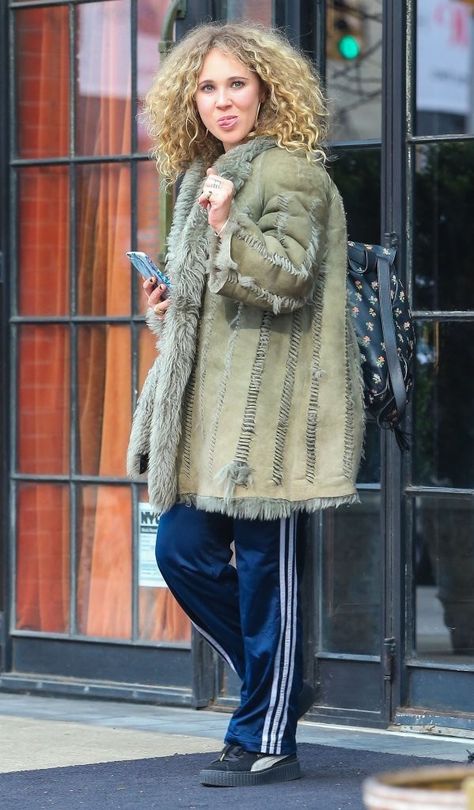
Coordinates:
column 348, row 47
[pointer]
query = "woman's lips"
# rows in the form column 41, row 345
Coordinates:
column 228, row 121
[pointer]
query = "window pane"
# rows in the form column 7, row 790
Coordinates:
column 104, row 561
column 444, row 577
column 42, row 81
column 444, row 211
column 148, row 221
column 160, row 617
column 255, row 10
column 444, row 67
column 42, row 575
column 103, row 237
column 356, row 173
column 43, row 241
column 443, row 445
column 369, row 472
column 103, row 83
column 354, row 68
column 351, row 582
column 104, row 392
column 43, row 400
column 150, row 17
column 146, row 353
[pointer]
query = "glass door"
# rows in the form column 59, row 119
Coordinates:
column 439, row 675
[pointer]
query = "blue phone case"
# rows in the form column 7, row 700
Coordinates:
column 147, row 267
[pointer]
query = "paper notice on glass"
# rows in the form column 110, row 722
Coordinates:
column 149, row 575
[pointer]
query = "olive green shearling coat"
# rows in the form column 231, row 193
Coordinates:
column 254, row 406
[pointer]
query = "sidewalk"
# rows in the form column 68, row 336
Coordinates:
column 139, row 743
column 45, row 732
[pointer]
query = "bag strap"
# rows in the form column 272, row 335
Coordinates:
column 389, row 334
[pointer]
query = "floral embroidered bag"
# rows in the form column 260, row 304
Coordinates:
column 384, row 328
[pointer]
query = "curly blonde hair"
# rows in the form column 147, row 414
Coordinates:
column 294, row 110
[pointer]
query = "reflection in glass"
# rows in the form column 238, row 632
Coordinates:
column 369, row 472
column 42, row 558
column 103, row 85
column 354, row 68
column 103, row 237
column 356, row 173
column 443, row 441
column 42, row 81
column 146, row 353
column 444, row 576
column 351, row 581
column 104, row 568
column 150, row 18
column 43, row 241
column 104, row 394
column 160, row 617
column 256, row 10
column 444, row 67
column 43, row 400
column 444, row 212
column 148, row 220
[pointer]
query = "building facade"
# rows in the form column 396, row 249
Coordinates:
column 389, row 583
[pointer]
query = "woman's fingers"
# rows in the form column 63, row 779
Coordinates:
column 161, row 307
column 155, row 294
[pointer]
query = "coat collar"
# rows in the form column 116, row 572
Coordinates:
column 235, row 165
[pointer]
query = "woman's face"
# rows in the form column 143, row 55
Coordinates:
column 227, row 98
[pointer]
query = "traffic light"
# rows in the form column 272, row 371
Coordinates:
column 345, row 28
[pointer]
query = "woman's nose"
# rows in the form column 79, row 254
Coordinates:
column 222, row 99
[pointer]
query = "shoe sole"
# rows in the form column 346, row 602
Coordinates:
column 279, row 773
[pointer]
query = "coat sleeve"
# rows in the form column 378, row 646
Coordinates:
column 270, row 260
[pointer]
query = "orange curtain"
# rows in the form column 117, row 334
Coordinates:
column 43, row 388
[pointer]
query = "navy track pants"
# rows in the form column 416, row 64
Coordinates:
column 250, row 614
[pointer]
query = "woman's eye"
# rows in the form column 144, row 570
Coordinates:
column 206, row 88
column 238, row 83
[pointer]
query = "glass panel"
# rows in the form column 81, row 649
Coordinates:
column 444, row 577
column 255, row 10
column 146, row 353
column 356, row 173
column 443, row 445
column 42, row 574
column 43, row 400
column 150, row 17
column 103, row 107
column 104, row 386
column 351, row 581
column 43, row 241
column 103, row 237
column 161, row 618
column 354, row 68
column 444, row 67
column 42, row 81
column 148, row 220
column 104, row 572
column 444, row 211
column 369, row 472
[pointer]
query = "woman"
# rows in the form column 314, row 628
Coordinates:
column 252, row 413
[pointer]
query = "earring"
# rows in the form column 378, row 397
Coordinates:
column 207, row 132
column 257, row 114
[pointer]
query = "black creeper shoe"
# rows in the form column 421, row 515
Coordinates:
column 238, row 768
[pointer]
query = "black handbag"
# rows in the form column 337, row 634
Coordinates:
column 384, row 328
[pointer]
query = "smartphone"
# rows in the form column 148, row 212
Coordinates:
column 147, row 267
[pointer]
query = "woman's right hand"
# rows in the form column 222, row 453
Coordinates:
column 157, row 297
